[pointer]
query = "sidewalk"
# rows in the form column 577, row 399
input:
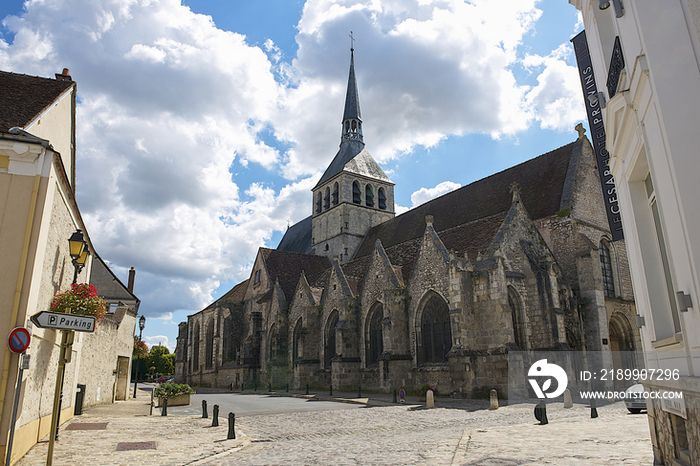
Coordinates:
column 123, row 433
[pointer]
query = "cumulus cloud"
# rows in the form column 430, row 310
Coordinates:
column 557, row 96
column 426, row 70
column 169, row 104
column 423, row 195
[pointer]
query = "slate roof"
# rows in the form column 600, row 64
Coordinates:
column 287, row 267
column 364, row 163
column 352, row 97
column 297, row 238
column 541, row 182
column 23, row 98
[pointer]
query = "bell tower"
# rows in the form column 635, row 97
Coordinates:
column 354, row 194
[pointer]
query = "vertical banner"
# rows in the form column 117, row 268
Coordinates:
column 595, row 122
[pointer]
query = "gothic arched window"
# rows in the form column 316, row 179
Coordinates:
column 374, row 343
column 518, row 317
column 436, row 330
column 329, row 352
column 334, row 199
column 356, row 193
column 327, row 199
column 382, row 198
column 296, row 341
column 318, row 203
column 209, row 346
column 195, row 348
column 606, row 268
column 369, row 196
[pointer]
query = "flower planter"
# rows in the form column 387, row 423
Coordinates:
column 177, row 400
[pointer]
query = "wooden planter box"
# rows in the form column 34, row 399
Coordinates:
column 179, row 400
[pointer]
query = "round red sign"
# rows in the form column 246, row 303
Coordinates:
column 18, row 340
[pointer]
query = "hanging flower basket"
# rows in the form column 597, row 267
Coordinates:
column 81, row 299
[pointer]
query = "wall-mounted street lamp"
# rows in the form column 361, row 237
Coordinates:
column 619, row 9
column 79, row 252
column 142, row 324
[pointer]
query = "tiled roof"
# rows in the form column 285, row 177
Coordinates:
column 23, row 98
column 473, row 237
column 541, row 183
column 287, row 267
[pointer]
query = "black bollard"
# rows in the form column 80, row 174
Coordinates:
column 307, row 388
column 269, row 387
column 215, row 416
column 541, row 413
column 330, row 390
column 395, row 396
column 204, row 409
column 594, row 411
column 164, row 409
column 286, row 388
column 359, row 391
column 231, row 426
column 255, row 386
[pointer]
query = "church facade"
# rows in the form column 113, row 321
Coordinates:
column 356, row 296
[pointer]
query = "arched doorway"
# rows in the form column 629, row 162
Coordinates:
column 622, row 347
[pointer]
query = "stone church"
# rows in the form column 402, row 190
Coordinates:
column 356, row 296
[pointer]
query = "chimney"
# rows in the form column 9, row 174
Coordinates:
column 132, row 276
column 64, row 76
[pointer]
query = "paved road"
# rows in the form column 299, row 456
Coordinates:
column 455, row 433
column 250, row 405
column 408, row 436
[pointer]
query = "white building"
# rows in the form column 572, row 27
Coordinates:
column 645, row 55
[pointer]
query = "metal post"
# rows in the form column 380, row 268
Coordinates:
column 56, row 414
column 307, row 388
column 136, row 379
column 231, row 426
column 286, row 389
column 14, row 408
column 330, row 390
column 164, row 409
column 594, row 411
column 204, row 409
column 215, row 416
column 269, row 387
column 150, row 413
column 359, row 391
column 395, row 396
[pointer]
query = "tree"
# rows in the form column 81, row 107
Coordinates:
column 160, row 358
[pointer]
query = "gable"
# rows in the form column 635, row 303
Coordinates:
column 541, row 180
column 23, row 98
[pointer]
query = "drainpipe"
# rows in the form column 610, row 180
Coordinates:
column 18, row 290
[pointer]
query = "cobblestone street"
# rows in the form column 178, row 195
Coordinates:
column 405, row 436
column 454, row 433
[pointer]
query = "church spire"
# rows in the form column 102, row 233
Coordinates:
column 352, row 119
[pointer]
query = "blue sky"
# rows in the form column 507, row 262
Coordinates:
column 203, row 125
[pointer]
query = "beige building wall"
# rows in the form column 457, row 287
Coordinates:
column 55, row 124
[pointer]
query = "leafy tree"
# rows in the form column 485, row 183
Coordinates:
column 160, row 358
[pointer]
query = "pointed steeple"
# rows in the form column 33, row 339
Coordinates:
column 352, row 119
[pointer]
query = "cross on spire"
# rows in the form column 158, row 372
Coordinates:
column 352, row 42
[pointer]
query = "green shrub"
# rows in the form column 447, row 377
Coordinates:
column 171, row 390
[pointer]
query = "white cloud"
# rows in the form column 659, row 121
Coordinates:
column 170, row 105
column 557, row 97
column 423, row 195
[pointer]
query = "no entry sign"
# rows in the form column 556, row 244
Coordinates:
column 18, row 340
